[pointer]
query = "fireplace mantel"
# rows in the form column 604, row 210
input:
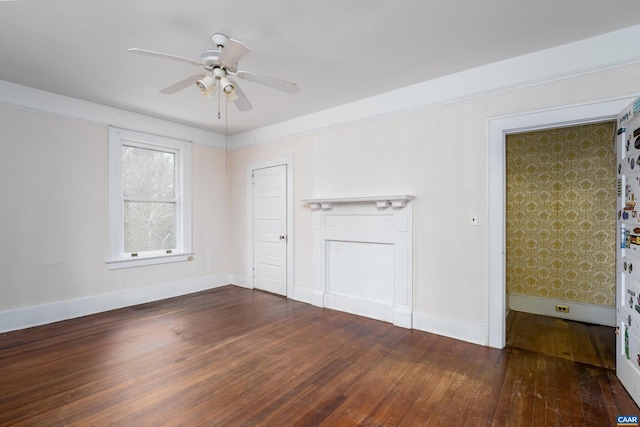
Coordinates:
column 362, row 256
column 380, row 201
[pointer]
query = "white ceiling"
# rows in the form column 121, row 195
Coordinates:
column 337, row 51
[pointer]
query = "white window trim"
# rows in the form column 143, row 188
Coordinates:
column 117, row 259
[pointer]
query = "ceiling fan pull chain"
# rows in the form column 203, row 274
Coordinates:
column 218, row 101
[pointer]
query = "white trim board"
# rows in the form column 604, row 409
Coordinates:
column 27, row 317
column 435, row 324
column 240, row 280
column 303, row 294
column 39, row 101
column 451, row 328
column 586, row 56
column 287, row 160
column 582, row 312
column 498, row 128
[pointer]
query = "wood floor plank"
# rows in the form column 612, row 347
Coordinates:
column 539, row 408
column 571, row 407
column 233, row 356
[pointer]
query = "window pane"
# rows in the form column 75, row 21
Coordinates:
column 149, row 226
column 148, row 174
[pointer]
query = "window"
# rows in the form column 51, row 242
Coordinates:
column 149, row 199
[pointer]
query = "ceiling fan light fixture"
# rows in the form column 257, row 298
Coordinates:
column 206, row 83
column 227, row 86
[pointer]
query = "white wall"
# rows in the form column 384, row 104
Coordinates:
column 429, row 140
column 54, row 224
column 438, row 154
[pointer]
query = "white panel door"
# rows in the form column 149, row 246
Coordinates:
column 269, row 229
column 628, row 251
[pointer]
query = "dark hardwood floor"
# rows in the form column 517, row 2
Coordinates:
column 587, row 343
column 233, row 356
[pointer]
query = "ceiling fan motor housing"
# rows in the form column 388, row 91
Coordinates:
column 210, row 59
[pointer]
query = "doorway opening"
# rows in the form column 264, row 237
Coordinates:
column 560, row 230
column 560, row 242
column 498, row 129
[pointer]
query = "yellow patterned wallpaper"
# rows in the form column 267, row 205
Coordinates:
column 561, row 214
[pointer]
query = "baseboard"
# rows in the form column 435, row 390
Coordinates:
column 361, row 307
column 299, row 294
column 303, row 294
column 240, row 280
column 452, row 328
column 402, row 318
column 317, row 297
column 591, row 313
column 27, row 317
column 465, row 331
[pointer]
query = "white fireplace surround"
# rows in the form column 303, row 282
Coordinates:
column 362, row 256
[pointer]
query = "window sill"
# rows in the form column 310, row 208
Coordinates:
column 115, row 264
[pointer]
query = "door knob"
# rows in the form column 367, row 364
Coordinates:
column 283, row 237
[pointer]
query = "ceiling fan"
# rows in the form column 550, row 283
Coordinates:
column 220, row 66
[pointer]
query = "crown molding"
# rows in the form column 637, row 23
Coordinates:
column 26, row 98
column 611, row 50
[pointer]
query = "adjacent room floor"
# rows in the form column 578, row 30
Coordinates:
column 581, row 342
column 232, row 356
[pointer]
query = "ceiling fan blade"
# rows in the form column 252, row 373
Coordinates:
column 182, row 84
column 232, row 52
column 164, row 55
column 241, row 101
column 268, row 81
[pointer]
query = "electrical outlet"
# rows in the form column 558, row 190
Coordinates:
column 562, row 308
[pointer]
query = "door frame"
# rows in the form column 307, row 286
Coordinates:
column 287, row 160
column 498, row 129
